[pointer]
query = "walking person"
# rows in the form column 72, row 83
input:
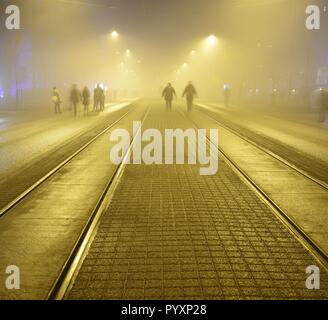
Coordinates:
column 168, row 94
column 190, row 93
column 102, row 95
column 56, row 99
column 96, row 98
column 75, row 98
column 86, row 100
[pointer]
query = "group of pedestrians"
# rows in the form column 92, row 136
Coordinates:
column 76, row 97
column 99, row 98
column 169, row 93
column 189, row 93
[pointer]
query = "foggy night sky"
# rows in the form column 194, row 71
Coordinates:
column 162, row 26
column 73, row 34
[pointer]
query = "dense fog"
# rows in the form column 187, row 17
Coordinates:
column 260, row 50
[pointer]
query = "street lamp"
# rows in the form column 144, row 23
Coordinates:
column 212, row 40
column 114, row 35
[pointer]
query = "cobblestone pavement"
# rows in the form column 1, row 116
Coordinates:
column 170, row 233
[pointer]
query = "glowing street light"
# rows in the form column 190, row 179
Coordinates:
column 193, row 52
column 185, row 65
column 212, row 40
column 128, row 53
column 114, row 35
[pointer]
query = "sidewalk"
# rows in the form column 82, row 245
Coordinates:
column 286, row 114
column 25, row 142
column 308, row 138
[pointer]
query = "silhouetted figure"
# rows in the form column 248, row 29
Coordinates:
column 226, row 95
column 102, row 99
column 97, row 93
column 56, row 99
column 75, row 98
column 86, row 100
column 190, row 93
column 168, row 94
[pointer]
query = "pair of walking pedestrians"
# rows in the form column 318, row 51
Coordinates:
column 189, row 92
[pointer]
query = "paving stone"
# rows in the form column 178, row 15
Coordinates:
column 201, row 237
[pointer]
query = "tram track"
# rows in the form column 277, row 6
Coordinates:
column 319, row 254
column 10, row 205
column 231, row 128
column 70, row 269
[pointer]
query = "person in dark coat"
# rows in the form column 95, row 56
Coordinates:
column 102, row 99
column 168, row 94
column 190, row 93
column 86, row 99
column 75, row 98
column 97, row 98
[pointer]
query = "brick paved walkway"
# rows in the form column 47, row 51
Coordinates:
column 170, row 233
